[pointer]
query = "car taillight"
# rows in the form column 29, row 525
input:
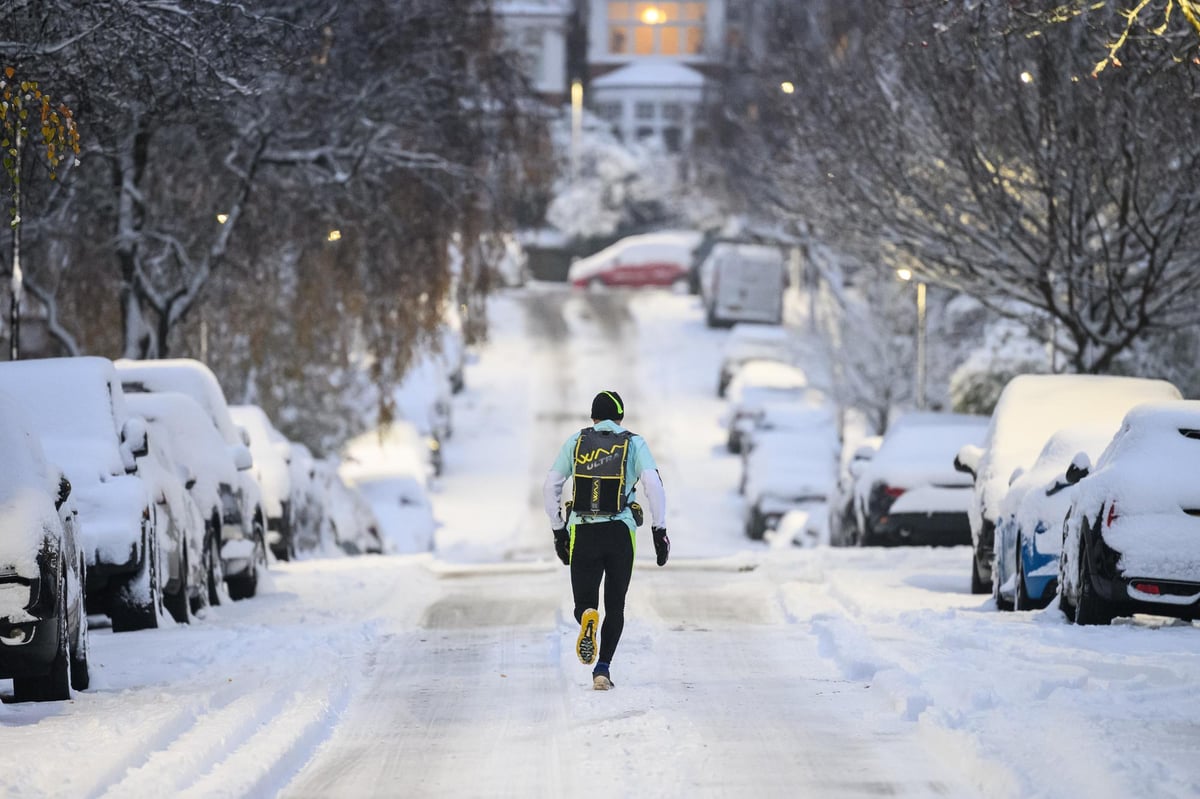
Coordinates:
column 1147, row 588
column 893, row 491
column 1112, row 514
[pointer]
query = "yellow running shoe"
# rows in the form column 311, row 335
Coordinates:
column 585, row 645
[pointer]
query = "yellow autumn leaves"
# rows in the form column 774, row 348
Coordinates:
column 21, row 99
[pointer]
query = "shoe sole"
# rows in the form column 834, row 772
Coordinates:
column 601, row 683
column 585, row 645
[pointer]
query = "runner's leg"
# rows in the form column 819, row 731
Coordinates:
column 618, row 569
column 587, row 567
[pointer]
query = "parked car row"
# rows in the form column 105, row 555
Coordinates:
column 131, row 489
column 1113, row 539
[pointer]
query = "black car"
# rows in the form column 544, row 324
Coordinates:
column 43, row 625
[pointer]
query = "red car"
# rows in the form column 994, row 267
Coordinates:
column 650, row 259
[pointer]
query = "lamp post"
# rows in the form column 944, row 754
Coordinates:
column 576, row 124
column 907, row 275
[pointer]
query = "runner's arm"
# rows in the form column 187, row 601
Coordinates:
column 552, row 496
column 656, row 497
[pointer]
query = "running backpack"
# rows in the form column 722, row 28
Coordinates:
column 600, row 460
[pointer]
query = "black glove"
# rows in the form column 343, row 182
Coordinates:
column 562, row 545
column 662, row 545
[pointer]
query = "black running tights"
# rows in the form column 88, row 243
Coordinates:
column 602, row 550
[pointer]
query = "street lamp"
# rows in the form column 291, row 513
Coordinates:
column 907, row 275
column 576, row 124
column 787, row 87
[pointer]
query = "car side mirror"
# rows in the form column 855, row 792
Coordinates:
column 134, row 436
column 967, row 460
column 64, row 491
column 1081, row 466
column 242, row 458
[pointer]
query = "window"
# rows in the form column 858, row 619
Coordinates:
column 673, row 139
column 672, row 112
column 644, row 133
column 669, row 27
column 610, row 112
column 644, row 110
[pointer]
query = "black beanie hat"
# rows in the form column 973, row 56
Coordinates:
column 608, row 405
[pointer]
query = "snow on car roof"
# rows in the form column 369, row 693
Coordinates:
column 1146, row 478
column 1032, row 407
column 920, row 447
column 765, row 373
column 194, row 439
column 185, row 375
column 76, row 406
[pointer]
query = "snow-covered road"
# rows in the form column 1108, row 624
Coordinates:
column 744, row 670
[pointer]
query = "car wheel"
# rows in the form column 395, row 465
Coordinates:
column 978, row 586
column 138, row 603
column 1090, row 608
column 756, row 528
column 80, row 674
column 1001, row 602
column 55, row 685
column 1023, row 600
column 212, row 565
column 177, row 603
column 245, row 585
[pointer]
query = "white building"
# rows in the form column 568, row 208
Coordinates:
column 538, row 29
column 648, row 63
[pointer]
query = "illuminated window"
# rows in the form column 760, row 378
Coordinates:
column 669, row 27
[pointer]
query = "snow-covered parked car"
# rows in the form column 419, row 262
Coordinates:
column 759, row 383
column 77, row 407
column 743, row 282
column 388, row 467
column 1030, row 409
column 182, row 570
column 910, row 492
column 1029, row 528
column 243, row 522
column 308, row 500
column 43, row 623
column 210, row 467
column 271, row 452
column 1131, row 540
column 754, row 343
column 810, row 414
column 843, row 525
column 350, row 522
column 791, row 470
column 647, row 259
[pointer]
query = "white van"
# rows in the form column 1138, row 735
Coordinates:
column 743, row 283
